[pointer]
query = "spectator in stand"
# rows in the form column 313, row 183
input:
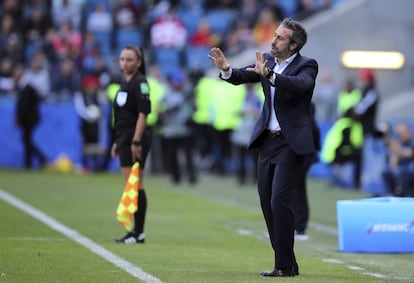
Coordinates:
column 48, row 48
column 249, row 11
column 399, row 175
column 218, row 4
column 14, row 9
column 168, row 38
column 202, row 121
column 366, row 109
column 127, row 25
column 241, row 135
column 44, row 6
column 168, row 31
column 176, row 111
column 67, row 42
column 227, row 102
column 35, row 26
column 305, row 9
column 7, row 29
column 13, row 50
column 100, row 23
column 300, row 201
column 348, row 97
column 126, row 14
column 93, row 60
column 238, row 38
column 64, row 11
column 326, row 99
column 308, row 8
column 203, row 37
column 263, row 30
column 341, row 149
column 366, row 113
column 36, row 23
column 88, row 105
column 158, row 86
column 275, row 7
column 66, row 80
column 99, row 20
column 7, row 83
column 89, row 49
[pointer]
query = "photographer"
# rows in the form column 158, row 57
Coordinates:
column 399, row 174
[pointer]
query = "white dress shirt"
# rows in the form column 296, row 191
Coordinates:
column 278, row 69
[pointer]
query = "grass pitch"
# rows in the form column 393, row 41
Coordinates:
column 212, row 232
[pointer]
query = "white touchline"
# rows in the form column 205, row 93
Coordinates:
column 82, row 240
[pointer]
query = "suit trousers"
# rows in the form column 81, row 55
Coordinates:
column 277, row 168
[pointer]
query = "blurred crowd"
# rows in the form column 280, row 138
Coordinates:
column 60, row 41
column 67, row 50
column 363, row 151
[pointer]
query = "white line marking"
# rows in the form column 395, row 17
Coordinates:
column 82, row 240
column 244, row 232
column 333, row 260
column 354, row 267
column 324, row 228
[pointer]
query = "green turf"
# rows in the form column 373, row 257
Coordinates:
column 213, row 232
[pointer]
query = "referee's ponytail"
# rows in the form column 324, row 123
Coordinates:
column 142, row 67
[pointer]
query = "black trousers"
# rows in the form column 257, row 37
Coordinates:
column 243, row 155
column 173, row 147
column 300, row 200
column 30, row 149
column 277, row 168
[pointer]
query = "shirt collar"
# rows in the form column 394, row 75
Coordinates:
column 288, row 60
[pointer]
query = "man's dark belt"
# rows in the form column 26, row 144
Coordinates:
column 274, row 134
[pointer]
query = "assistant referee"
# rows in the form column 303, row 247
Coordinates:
column 132, row 140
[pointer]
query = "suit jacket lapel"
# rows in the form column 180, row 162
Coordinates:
column 291, row 65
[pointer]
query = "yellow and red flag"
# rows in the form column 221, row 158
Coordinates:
column 129, row 200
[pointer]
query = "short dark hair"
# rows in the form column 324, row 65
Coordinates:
column 299, row 35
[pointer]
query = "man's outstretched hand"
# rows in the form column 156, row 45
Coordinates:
column 260, row 67
column 219, row 59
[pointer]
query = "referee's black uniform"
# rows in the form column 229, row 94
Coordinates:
column 131, row 99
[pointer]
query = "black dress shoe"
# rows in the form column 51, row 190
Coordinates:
column 289, row 272
column 296, row 269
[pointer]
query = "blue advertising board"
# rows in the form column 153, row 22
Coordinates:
column 376, row 225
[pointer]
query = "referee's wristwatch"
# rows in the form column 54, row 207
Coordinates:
column 269, row 73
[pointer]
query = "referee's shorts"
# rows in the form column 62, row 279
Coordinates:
column 124, row 149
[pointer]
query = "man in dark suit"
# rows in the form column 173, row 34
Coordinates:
column 283, row 134
column 27, row 118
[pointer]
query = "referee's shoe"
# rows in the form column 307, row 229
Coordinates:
column 131, row 238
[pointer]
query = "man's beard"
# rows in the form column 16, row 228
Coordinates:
column 284, row 53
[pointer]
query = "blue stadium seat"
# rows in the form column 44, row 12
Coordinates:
column 221, row 20
column 90, row 5
column 103, row 39
column 197, row 58
column 191, row 18
column 168, row 59
column 127, row 36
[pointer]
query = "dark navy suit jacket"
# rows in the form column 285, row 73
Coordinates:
column 293, row 95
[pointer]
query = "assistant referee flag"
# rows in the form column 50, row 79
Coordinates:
column 129, row 200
